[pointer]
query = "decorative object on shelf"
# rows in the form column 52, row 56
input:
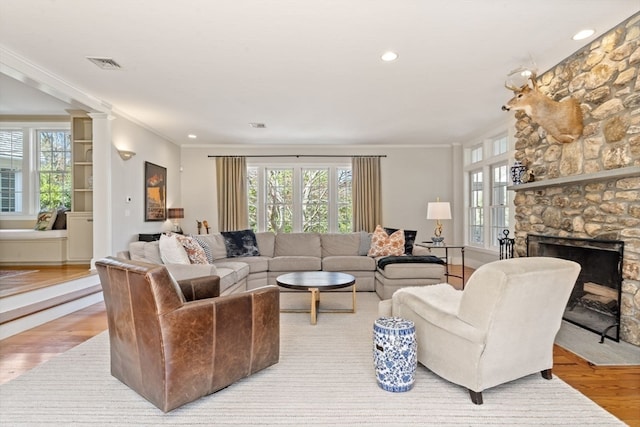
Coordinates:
column 527, row 176
column 126, row 155
column 176, row 214
column 155, row 192
column 206, row 225
column 517, row 170
column 90, row 182
column 438, row 210
column 199, row 224
column 88, row 155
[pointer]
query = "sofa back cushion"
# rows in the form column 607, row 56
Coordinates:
column 145, row 251
column 336, row 244
column 298, row 244
column 266, row 243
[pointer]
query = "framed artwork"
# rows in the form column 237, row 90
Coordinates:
column 155, row 192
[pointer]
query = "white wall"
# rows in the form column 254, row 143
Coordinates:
column 411, row 177
column 128, row 180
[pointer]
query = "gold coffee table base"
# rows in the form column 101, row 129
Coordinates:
column 313, row 282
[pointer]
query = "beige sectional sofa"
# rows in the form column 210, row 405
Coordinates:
column 288, row 252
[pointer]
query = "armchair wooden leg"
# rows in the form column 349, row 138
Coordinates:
column 476, row 397
column 546, row 374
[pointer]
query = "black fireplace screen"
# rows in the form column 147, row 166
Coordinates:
column 595, row 301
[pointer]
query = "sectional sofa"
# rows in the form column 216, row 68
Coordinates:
column 276, row 254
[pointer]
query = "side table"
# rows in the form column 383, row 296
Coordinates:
column 446, row 247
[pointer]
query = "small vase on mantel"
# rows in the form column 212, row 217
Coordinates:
column 517, row 171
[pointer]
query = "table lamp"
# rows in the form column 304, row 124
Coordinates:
column 438, row 210
column 176, row 214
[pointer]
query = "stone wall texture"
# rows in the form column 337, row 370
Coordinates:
column 604, row 77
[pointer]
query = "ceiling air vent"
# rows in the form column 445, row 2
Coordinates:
column 104, row 63
column 258, row 125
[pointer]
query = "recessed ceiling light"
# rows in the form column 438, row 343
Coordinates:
column 258, row 125
column 389, row 56
column 192, row 136
column 583, row 34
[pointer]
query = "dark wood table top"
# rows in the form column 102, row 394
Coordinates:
column 323, row 280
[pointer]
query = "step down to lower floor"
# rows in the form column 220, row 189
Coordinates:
column 30, row 309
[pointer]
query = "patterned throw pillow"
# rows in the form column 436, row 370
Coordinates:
column 45, row 220
column 205, row 247
column 383, row 244
column 241, row 243
column 194, row 251
column 409, row 238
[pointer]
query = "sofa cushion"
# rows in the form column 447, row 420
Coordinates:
column 409, row 238
column 413, row 271
column 266, row 243
column 240, row 243
column 215, row 241
column 298, row 244
column 295, row 263
column 145, row 251
column 348, row 263
column 46, row 219
column 334, row 244
column 256, row 264
column 383, row 244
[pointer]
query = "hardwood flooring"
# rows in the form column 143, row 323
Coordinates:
column 616, row 389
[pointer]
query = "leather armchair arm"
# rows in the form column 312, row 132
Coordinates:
column 200, row 287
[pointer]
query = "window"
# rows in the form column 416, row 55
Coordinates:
column 488, row 198
column 11, row 158
column 476, row 214
column 300, row 198
column 54, row 168
column 35, row 167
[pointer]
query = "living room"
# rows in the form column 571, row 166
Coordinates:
column 418, row 166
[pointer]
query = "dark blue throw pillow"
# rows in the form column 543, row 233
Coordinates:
column 240, row 243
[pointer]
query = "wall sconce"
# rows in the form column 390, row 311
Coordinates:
column 438, row 210
column 175, row 214
column 126, row 155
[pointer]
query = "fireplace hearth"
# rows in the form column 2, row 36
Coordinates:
column 594, row 303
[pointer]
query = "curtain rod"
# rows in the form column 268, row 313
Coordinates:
column 304, row 155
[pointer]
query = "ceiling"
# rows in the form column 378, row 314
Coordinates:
column 309, row 70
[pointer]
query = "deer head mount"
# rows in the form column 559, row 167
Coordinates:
column 562, row 120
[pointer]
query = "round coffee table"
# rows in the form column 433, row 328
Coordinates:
column 314, row 282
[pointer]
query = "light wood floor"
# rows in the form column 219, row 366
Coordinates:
column 616, row 389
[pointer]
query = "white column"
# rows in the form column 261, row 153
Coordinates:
column 102, row 188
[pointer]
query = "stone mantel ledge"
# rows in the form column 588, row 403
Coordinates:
column 626, row 172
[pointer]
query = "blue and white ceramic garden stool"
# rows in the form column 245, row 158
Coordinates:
column 395, row 353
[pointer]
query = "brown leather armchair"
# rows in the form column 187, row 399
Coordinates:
column 173, row 349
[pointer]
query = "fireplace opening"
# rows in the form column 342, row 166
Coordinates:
column 594, row 303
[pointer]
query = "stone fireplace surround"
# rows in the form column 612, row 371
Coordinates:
column 590, row 188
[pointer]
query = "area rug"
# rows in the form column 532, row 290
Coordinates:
column 587, row 345
column 4, row 274
column 325, row 377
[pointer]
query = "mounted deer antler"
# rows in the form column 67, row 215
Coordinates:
column 562, row 120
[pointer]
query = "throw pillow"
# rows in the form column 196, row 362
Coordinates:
column 45, row 220
column 172, row 251
column 383, row 244
column 61, row 219
column 409, row 238
column 205, row 247
column 240, row 243
column 194, row 251
column 365, row 243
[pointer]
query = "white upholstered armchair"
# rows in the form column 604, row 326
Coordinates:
column 500, row 328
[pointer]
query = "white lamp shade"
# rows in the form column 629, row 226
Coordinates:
column 438, row 210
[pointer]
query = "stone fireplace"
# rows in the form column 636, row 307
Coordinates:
column 590, row 188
